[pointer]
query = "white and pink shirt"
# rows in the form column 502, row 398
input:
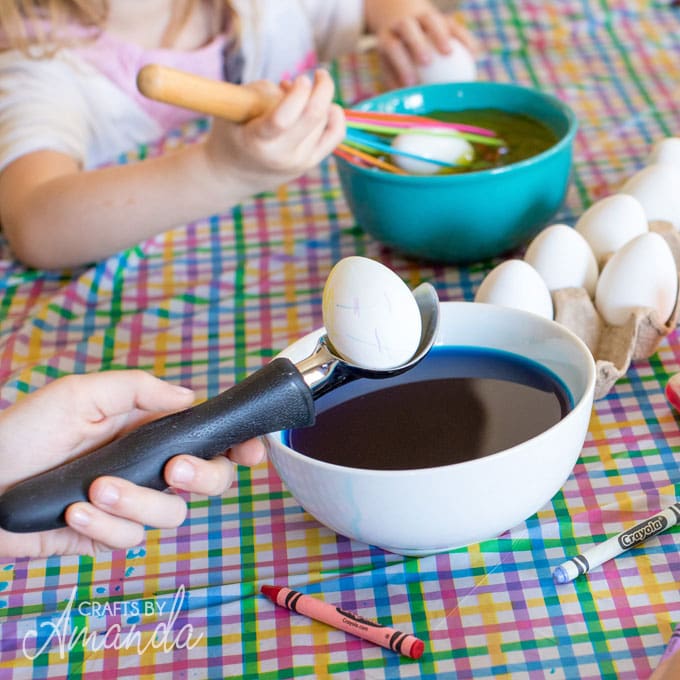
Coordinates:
column 84, row 102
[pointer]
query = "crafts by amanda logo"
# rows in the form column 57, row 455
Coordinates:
column 64, row 634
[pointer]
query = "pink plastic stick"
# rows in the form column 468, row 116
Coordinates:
column 408, row 120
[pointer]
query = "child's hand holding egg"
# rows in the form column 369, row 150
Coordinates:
column 456, row 66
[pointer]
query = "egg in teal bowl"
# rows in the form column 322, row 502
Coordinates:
column 478, row 213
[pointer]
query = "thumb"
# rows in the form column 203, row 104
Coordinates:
column 112, row 393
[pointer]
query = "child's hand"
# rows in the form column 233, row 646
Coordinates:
column 296, row 134
column 408, row 33
column 76, row 414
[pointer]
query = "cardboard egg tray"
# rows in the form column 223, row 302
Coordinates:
column 614, row 347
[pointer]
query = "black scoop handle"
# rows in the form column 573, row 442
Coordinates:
column 273, row 398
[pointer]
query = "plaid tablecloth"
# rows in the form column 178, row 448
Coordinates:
column 207, row 304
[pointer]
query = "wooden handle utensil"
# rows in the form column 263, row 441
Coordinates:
column 212, row 97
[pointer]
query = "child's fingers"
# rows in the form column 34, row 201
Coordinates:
column 457, row 30
column 289, row 109
column 321, row 96
column 124, row 499
column 320, row 111
column 417, row 43
column 400, row 62
column 305, row 105
column 269, row 92
column 207, row 477
column 437, row 30
column 332, row 134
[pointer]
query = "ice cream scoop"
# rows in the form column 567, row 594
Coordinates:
column 278, row 396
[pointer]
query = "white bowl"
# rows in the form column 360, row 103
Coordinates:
column 423, row 511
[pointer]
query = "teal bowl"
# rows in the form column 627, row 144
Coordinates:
column 471, row 216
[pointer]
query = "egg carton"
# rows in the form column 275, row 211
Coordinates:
column 615, row 347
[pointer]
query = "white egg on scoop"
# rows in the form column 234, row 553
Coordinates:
column 516, row 284
column 371, row 316
column 643, row 274
column 444, row 148
column 455, row 67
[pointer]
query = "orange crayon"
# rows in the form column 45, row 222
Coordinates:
column 402, row 643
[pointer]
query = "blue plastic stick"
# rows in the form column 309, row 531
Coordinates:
column 361, row 139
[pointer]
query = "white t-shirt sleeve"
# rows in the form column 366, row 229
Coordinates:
column 64, row 104
column 41, row 107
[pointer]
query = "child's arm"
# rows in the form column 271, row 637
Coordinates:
column 55, row 215
column 408, row 31
column 76, row 414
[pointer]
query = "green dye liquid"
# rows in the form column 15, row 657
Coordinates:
column 523, row 135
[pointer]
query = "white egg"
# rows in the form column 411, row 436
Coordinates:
column 657, row 187
column 445, row 148
column 455, row 67
column 666, row 151
column 370, row 315
column 563, row 258
column 641, row 274
column 611, row 222
column 516, row 284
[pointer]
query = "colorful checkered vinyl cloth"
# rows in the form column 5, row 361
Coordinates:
column 207, row 304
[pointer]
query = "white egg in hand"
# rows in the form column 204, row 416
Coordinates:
column 611, row 222
column 516, row 284
column 641, row 274
column 445, row 148
column 563, row 258
column 371, row 317
column 455, row 67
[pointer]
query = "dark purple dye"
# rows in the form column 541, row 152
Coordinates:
column 456, row 405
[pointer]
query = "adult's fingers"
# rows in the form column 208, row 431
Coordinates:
column 103, row 528
column 112, row 393
column 207, row 477
column 248, row 453
column 139, row 504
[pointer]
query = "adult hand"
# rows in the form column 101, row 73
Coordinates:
column 76, row 414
